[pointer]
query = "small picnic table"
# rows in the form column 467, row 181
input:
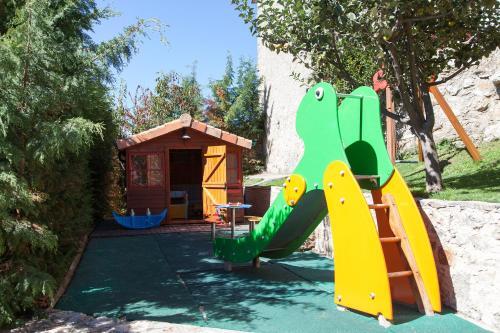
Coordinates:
column 233, row 207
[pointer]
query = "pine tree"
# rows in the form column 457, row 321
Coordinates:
column 56, row 134
column 235, row 106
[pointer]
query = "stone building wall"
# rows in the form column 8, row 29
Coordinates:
column 281, row 97
column 465, row 236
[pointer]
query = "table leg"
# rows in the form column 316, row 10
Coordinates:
column 233, row 222
column 228, row 267
column 212, row 231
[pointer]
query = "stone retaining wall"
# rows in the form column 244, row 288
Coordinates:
column 465, row 236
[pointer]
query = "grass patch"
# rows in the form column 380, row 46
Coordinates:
column 463, row 178
column 250, row 181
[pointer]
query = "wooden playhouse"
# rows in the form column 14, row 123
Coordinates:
column 185, row 166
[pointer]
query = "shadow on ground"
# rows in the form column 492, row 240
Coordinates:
column 173, row 277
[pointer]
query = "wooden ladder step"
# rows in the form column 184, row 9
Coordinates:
column 400, row 274
column 390, row 239
column 379, row 206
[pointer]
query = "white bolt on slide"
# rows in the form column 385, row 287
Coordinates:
column 342, row 200
column 315, row 185
column 342, row 173
column 296, row 189
column 284, row 185
column 292, row 202
column 289, row 179
column 372, row 295
column 330, row 184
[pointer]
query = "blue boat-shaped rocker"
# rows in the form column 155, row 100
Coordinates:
column 140, row 221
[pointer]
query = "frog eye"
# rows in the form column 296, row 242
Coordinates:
column 319, row 93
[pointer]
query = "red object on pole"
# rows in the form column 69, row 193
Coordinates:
column 379, row 83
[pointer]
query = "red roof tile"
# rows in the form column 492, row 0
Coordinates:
column 184, row 121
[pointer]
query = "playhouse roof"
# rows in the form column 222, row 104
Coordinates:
column 184, row 121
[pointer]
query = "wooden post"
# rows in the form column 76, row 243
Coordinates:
column 420, row 152
column 471, row 148
column 390, row 126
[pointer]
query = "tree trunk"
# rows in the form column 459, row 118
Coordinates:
column 433, row 179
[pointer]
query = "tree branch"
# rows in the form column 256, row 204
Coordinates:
column 424, row 18
column 414, row 72
column 340, row 65
column 396, row 117
column 446, row 79
column 403, row 90
column 429, row 110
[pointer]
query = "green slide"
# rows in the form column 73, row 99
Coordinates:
column 351, row 133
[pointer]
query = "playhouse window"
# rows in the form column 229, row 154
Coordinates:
column 146, row 169
column 232, row 168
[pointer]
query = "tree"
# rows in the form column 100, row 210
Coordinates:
column 416, row 40
column 176, row 94
column 137, row 116
column 235, row 106
column 222, row 97
column 56, row 133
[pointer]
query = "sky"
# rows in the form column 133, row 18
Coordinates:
column 198, row 31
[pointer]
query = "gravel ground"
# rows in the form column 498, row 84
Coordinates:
column 69, row 322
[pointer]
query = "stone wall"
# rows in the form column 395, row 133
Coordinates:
column 465, row 236
column 474, row 98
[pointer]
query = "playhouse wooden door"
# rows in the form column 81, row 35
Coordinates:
column 214, row 178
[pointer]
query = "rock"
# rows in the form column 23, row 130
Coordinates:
column 468, row 82
column 452, row 89
column 492, row 133
column 496, row 79
column 479, row 105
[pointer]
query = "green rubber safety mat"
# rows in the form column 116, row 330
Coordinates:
column 173, row 277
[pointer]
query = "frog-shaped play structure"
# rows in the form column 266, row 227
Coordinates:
column 379, row 260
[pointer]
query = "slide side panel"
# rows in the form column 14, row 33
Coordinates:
column 361, row 279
